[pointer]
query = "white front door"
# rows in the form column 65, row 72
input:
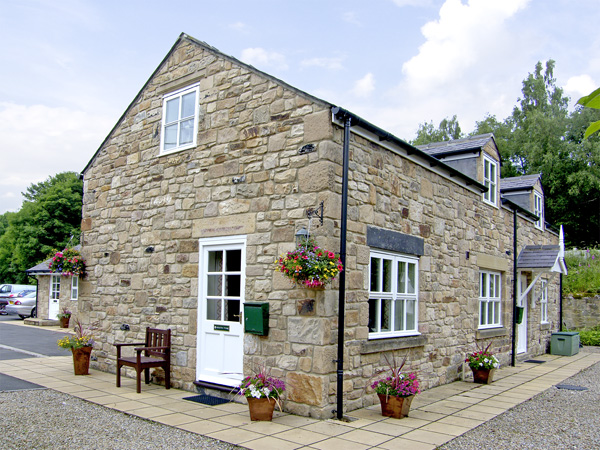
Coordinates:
column 522, row 327
column 53, row 306
column 222, row 267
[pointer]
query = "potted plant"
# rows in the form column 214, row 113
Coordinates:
column 64, row 317
column 81, row 345
column 67, row 262
column 396, row 390
column 263, row 392
column 309, row 265
column 483, row 363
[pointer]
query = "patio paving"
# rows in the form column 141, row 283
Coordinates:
column 437, row 415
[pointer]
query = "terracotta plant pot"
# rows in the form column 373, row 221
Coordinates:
column 261, row 408
column 396, row 407
column 81, row 360
column 483, row 376
column 64, row 322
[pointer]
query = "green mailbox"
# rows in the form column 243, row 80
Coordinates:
column 256, row 318
column 565, row 343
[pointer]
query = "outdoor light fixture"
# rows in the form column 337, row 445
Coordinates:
column 301, row 236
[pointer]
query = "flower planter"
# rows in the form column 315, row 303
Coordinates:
column 261, row 408
column 81, row 360
column 483, row 376
column 64, row 322
column 396, row 407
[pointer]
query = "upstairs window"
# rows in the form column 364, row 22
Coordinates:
column 490, row 299
column 180, row 120
column 490, row 180
column 538, row 209
column 393, row 295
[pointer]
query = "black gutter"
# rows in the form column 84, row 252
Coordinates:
column 341, row 114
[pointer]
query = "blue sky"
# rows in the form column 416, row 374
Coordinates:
column 71, row 67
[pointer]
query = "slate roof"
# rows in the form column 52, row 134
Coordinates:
column 538, row 257
column 525, row 182
column 456, row 146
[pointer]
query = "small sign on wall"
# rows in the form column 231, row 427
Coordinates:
column 221, row 327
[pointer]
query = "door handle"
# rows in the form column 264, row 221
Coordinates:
column 239, row 316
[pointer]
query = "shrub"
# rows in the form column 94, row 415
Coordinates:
column 584, row 272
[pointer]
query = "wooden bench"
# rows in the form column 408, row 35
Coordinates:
column 157, row 353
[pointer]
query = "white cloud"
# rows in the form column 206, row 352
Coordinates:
column 262, row 58
column 352, row 18
column 40, row 141
column 327, row 63
column 458, row 39
column 580, row 85
column 239, row 26
column 365, row 86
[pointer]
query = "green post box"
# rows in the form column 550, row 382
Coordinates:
column 256, row 318
column 565, row 343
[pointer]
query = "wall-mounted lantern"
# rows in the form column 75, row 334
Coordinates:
column 302, row 236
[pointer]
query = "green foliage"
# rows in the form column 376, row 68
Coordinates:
column 591, row 101
column 584, row 272
column 50, row 215
column 541, row 136
column 589, row 336
column 448, row 130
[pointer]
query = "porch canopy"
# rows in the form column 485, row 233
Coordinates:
column 540, row 260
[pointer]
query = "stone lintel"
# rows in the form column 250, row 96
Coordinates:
column 389, row 344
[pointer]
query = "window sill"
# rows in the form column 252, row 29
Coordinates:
column 395, row 343
column 545, row 326
column 488, row 333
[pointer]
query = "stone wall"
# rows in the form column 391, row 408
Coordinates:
column 581, row 312
column 64, row 301
column 252, row 128
column 394, row 193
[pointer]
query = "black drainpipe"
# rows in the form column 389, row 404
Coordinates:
column 342, row 291
column 515, row 281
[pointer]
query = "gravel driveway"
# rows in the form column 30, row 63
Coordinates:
column 47, row 419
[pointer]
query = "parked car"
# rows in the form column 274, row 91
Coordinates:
column 10, row 290
column 22, row 305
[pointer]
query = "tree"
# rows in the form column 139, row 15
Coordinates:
column 448, row 130
column 591, row 101
column 50, row 215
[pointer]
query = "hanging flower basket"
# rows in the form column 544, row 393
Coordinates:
column 67, row 262
column 310, row 265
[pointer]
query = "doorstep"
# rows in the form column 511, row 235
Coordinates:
column 41, row 322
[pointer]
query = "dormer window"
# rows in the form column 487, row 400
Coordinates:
column 490, row 180
column 538, row 209
column 179, row 120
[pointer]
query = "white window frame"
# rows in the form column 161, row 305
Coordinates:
column 391, row 294
column 538, row 209
column 544, row 302
column 74, row 287
column 490, row 299
column 490, row 181
column 55, row 287
column 172, row 96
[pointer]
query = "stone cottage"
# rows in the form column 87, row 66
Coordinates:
column 55, row 291
column 206, row 179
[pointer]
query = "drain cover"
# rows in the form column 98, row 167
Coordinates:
column 207, row 400
column 571, row 387
column 534, row 361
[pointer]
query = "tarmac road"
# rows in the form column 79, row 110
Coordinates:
column 19, row 341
